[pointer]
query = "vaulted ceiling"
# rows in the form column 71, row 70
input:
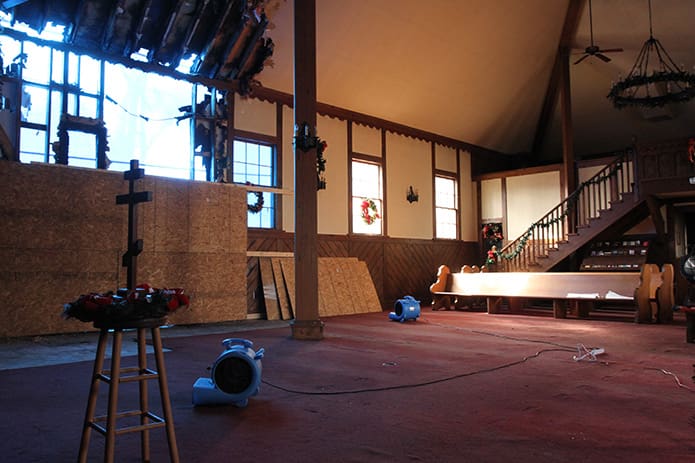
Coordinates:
column 473, row 70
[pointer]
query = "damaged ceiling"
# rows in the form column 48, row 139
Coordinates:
column 478, row 71
column 222, row 39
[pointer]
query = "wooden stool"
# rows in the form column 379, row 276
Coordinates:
column 114, row 377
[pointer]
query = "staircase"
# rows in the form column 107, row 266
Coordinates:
column 606, row 200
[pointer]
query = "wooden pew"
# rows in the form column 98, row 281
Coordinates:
column 654, row 296
column 578, row 291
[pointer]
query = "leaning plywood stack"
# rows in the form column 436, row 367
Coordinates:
column 344, row 283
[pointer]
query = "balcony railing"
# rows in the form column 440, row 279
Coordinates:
column 576, row 211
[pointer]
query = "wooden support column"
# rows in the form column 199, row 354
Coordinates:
column 569, row 171
column 306, row 323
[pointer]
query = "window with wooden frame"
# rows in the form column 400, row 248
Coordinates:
column 446, row 207
column 367, row 196
column 254, row 162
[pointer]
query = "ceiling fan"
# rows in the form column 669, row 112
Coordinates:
column 594, row 50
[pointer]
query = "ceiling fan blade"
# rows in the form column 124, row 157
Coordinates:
column 581, row 59
column 611, row 50
column 604, row 58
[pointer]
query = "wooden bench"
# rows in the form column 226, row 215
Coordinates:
column 576, row 291
column 654, row 296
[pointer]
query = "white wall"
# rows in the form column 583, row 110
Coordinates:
column 530, row 197
column 366, row 140
column 332, row 202
column 491, row 199
column 409, row 162
column 254, row 115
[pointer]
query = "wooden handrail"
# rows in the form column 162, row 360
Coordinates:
column 575, row 212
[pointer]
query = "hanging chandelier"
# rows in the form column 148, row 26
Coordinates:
column 667, row 83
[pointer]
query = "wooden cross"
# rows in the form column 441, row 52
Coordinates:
column 132, row 199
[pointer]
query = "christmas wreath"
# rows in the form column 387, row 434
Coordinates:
column 255, row 208
column 492, row 231
column 369, row 211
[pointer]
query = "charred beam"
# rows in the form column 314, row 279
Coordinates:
column 207, row 64
column 178, row 27
column 140, row 28
column 251, row 45
column 195, row 27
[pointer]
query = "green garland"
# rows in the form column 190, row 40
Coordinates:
column 305, row 142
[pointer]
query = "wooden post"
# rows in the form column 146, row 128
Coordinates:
column 306, row 323
column 567, row 133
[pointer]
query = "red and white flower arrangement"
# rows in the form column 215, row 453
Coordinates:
column 136, row 304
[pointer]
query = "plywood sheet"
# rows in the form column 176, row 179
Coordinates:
column 281, row 289
column 329, row 302
column 270, row 294
column 289, row 275
column 345, row 286
column 48, row 245
column 345, row 293
column 369, row 299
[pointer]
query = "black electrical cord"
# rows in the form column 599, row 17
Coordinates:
column 422, row 384
column 557, row 348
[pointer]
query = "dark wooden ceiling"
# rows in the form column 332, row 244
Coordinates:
column 225, row 37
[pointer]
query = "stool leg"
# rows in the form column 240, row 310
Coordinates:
column 144, row 405
column 93, row 393
column 112, row 411
column 164, row 392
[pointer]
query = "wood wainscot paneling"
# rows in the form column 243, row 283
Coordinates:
column 398, row 267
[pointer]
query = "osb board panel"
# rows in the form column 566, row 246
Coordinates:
column 211, row 307
column 217, row 217
column 171, row 224
column 64, row 261
column 270, row 295
column 329, row 301
column 45, row 230
column 287, row 265
column 195, row 271
column 63, row 235
column 283, row 297
column 340, row 278
column 37, row 302
column 345, row 286
column 364, row 286
column 69, row 188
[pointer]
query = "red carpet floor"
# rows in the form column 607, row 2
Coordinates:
column 449, row 387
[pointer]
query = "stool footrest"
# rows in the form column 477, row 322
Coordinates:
column 157, row 422
column 147, row 374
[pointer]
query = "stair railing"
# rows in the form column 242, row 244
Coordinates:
column 575, row 212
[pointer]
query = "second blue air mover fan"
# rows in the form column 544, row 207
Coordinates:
column 235, row 376
column 407, row 308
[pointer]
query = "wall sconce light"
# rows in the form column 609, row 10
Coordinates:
column 411, row 195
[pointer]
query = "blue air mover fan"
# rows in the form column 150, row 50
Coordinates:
column 407, row 308
column 235, row 376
